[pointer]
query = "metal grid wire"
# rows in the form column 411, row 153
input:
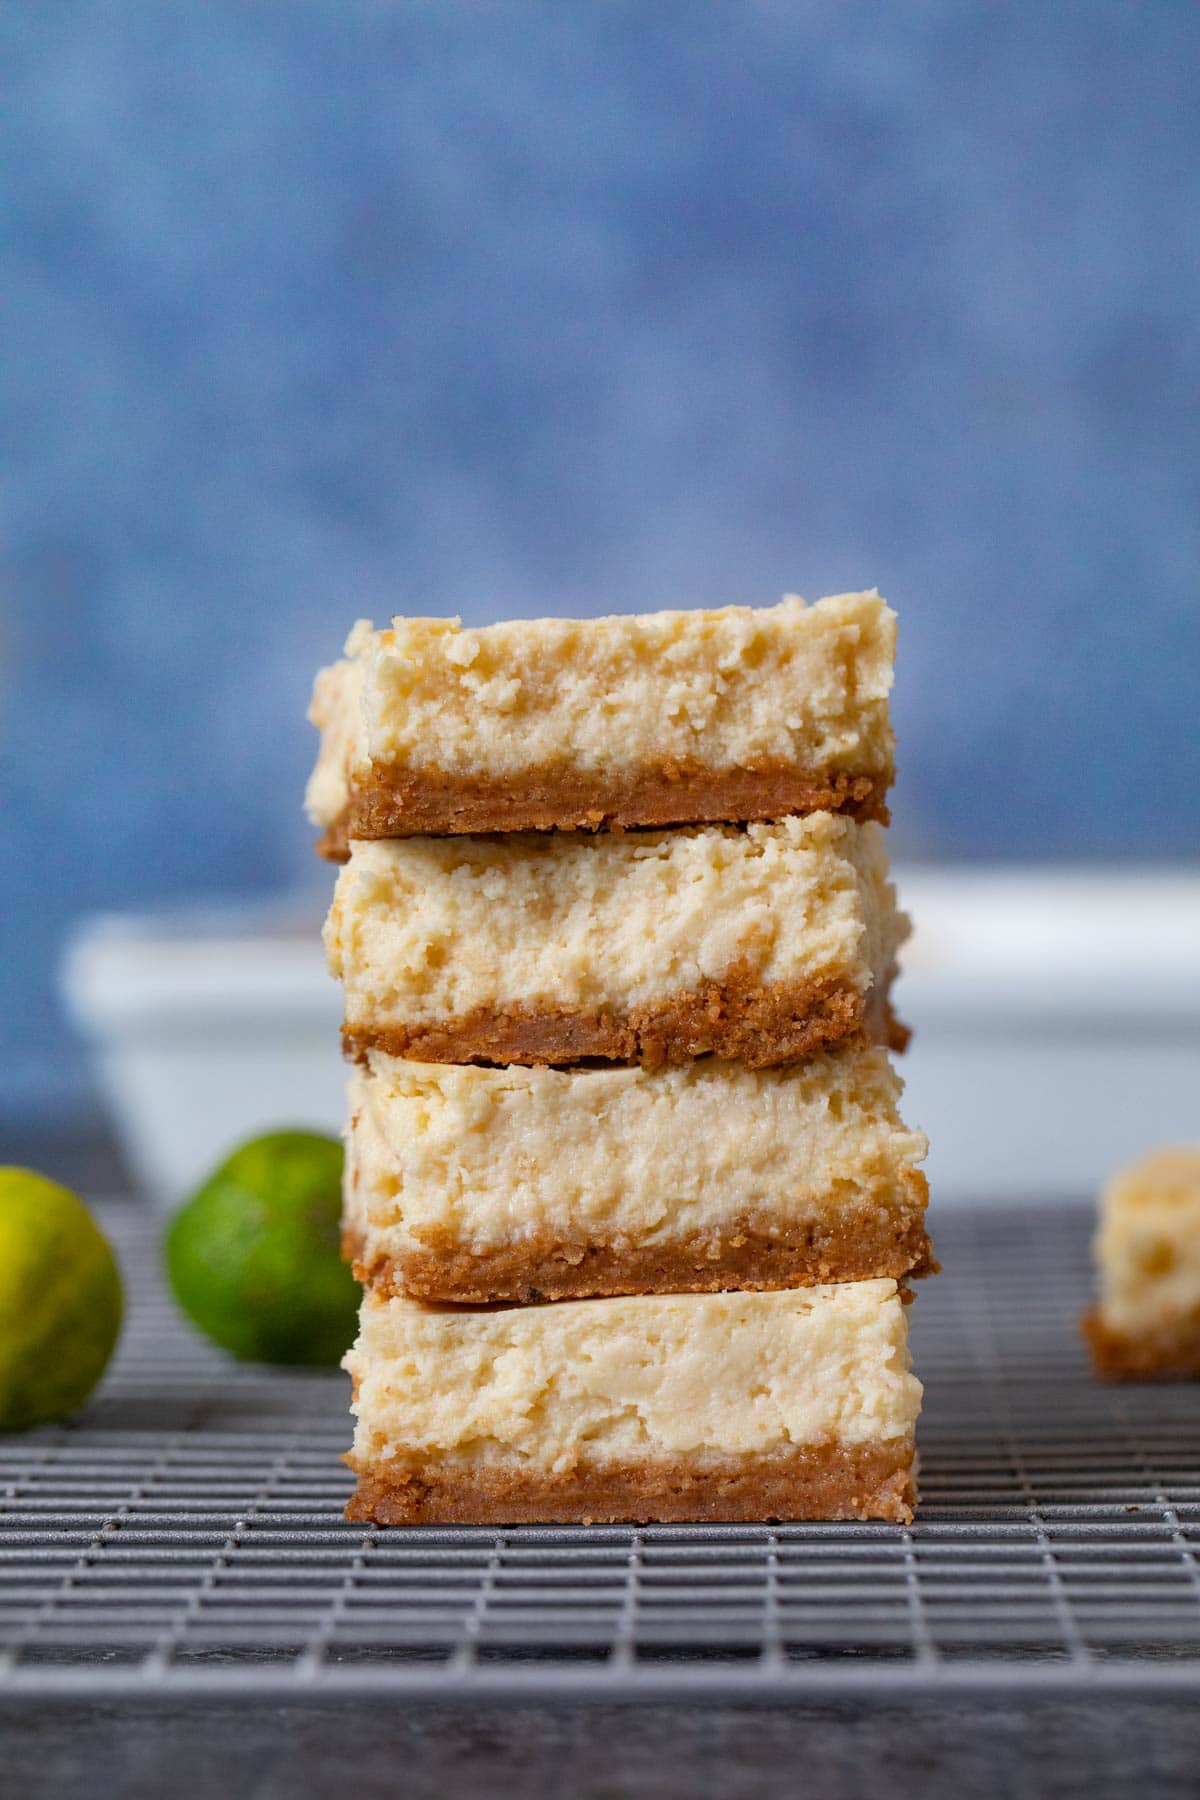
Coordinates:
column 185, row 1537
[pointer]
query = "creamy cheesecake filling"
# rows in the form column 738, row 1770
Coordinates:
column 790, row 687
column 429, row 931
column 642, row 1378
column 337, row 712
column 1148, row 1249
column 604, row 1180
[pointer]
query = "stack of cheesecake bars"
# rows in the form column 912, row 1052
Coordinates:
column 626, row 1183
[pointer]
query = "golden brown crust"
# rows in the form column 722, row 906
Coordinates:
column 750, row 1255
column 830, row 1481
column 397, row 803
column 1119, row 1357
column 734, row 1017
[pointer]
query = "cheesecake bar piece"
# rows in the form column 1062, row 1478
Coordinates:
column 519, row 1184
column 765, row 943
column 660, row 719
column 797, row 1404
column 1147, row 1322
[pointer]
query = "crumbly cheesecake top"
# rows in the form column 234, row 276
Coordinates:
column 1148, row 1243
column 734, row 1374
column 493, row 1155
column 737, row 687
column 430, row 928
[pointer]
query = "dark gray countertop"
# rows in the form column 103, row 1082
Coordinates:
column 942, row 1750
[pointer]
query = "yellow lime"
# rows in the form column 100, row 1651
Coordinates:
column 60, row 1300
column 254, row 1257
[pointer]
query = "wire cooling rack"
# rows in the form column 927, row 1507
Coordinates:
column 185, row 1536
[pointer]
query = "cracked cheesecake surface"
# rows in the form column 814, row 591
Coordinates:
column 642, row 719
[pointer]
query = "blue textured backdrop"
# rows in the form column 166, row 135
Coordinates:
column 318, row 309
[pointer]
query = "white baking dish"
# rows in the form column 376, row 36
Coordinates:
column 1057, row 1021
column 206, row 1029
column 1057, row 1025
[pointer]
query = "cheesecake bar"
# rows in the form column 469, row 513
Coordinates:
column 660, row 719
column 765, row 943
column 523, row 1184
column 1147, row 1322
column 796, row 1404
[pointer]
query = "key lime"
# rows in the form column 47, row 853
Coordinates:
column 60, row 1300
column 254, row 1256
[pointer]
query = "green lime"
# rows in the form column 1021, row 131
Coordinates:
column 60, row 1300
column 254, row 1255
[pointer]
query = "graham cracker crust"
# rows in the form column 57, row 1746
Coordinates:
column 735, row 1017
column 1119, row 1357
column 397, row 803
column 746, row 1256
column 831, row 1481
